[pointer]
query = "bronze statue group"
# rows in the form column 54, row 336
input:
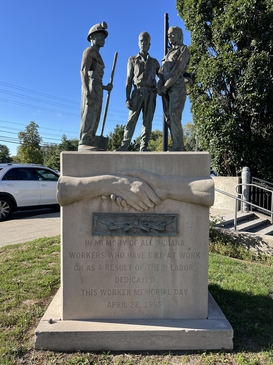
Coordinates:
column 145, row 79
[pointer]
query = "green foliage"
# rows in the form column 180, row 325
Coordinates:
column 51, row 152
column 155, row 142
column 190, row 137
column 68, row 144
column 232, row 68
column 237, row 246
column 30, row 276
column 116, row 137
column 16, row 159
column 51, row 155
column 30, row 150
column 4, row 154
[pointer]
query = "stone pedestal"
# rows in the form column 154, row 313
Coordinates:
column 134, row 280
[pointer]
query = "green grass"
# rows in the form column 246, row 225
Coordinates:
column 30, row 276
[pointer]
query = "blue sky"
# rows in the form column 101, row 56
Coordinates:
column 41, row 48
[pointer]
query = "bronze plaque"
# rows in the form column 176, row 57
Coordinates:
column 130, row 224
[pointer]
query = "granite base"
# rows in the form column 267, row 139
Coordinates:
column 213, row 333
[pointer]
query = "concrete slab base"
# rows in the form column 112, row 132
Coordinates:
column 213, row 333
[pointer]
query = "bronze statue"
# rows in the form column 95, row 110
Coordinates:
column 141, row 73
column 171, row 85
column 92, row 71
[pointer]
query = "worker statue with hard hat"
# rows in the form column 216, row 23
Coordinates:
column 92, row 71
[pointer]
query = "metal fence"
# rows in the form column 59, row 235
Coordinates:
column 240, row 199
column 261, row 193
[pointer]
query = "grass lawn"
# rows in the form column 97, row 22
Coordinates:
column 30, row 276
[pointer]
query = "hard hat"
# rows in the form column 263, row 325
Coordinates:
column 101, row 27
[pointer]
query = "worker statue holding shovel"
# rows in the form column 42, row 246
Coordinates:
column 92, row 71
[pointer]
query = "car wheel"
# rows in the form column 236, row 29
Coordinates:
column 6, row 208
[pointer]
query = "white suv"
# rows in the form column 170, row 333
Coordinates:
column 26, row 186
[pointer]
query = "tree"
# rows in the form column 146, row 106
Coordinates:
column 29, row 150
column 68, row 144
column 190, row 137
column 155, row 142
column 51, row 156
column 116, row 137
column 4, row 154
column 232, row 68
column 51, row 152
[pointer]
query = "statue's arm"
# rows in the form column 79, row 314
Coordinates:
column 137, row 193
column 129, row 80
column 195, row 190
column 85, row 67
column 179, row 67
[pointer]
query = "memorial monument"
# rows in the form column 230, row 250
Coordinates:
column 134, row 242
column 134, row 255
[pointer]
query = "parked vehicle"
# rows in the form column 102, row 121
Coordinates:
column 25, row 186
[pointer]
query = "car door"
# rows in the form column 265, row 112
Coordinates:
column 22, row 185
column 47, row 180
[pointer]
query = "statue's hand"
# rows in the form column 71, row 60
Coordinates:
column 109, row 87
column 88, row 99
column 129, row 104
column 163, row 90
column 136, row 193
column 118, row 199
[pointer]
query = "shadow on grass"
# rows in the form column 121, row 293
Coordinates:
column 250, row 316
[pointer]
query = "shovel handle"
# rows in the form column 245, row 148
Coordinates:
column 109, row 92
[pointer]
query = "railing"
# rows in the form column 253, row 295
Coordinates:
column 259, row 194
column 241, row 198
column 263, row 183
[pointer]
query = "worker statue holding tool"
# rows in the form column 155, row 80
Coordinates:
column 171, row 85
column 92, row 71
column 141, row 73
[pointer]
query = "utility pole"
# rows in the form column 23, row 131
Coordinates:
column 165, row 126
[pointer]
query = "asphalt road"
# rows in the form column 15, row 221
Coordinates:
column 30, row 224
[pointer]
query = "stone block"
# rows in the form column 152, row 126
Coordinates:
column 134, row 280
column 213, row 333
column 135, row 273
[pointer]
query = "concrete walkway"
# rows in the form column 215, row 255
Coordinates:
column 29, row 225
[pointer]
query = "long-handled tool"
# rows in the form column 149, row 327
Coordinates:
column 100, row 141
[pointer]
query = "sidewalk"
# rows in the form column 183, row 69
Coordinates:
column 30, row 228
column 215, row 212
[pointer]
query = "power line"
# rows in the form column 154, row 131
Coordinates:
column 24, row 125
column 112, row 110
column 36, row 99
column 37, row 107
column 36, row 92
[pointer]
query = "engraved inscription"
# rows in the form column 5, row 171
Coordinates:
column 135, row 277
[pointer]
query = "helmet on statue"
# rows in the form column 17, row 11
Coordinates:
column 100, row 27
